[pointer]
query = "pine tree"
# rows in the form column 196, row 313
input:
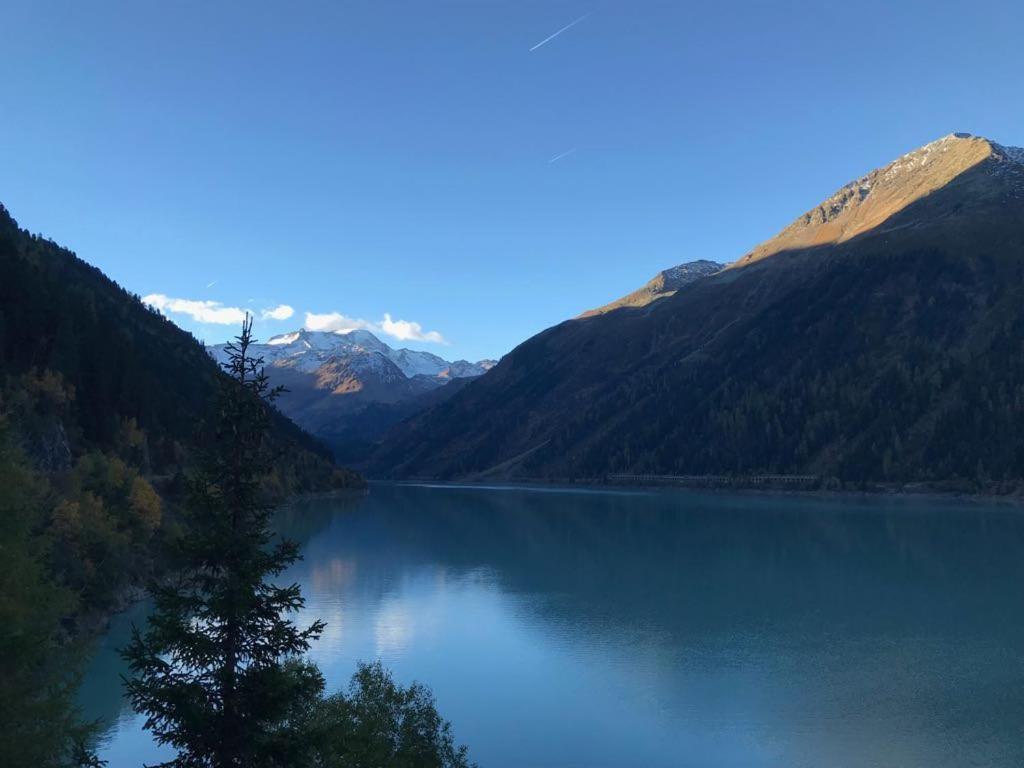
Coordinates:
column 217, row 673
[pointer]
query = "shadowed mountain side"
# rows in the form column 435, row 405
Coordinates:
column 891, row 356
column 349, row 388
column 354, row 433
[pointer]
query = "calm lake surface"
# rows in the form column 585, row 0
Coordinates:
column 575, row 628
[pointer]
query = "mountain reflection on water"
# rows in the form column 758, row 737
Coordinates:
column 567, row 627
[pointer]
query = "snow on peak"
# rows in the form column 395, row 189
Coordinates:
column 308, row 351
column 676, row 277
column 460, row 369
column 284, row 338
column 416, row 363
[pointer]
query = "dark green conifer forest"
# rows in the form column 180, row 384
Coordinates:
column 102, row 403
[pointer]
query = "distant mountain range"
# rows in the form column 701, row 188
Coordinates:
column 876, row 338
column 348, row 388
column 103, row 403
column 120, row 378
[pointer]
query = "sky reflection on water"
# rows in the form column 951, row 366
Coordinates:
column 667, row 629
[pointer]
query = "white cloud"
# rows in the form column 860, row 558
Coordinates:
column 403, row 330
column 406, row 330
column 200, row 311
column 215, row 312
column 281, row 312
column 333, row 321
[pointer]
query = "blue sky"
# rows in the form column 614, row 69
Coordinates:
column 385, row 159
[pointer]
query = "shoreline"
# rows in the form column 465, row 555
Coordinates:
column 877, row 492
column 89, row 626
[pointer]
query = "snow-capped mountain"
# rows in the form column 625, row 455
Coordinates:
column 352, row 386
column 308, row 350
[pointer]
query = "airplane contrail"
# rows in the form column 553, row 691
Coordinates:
column 549, row 38
column 556, row 158
column 211, row 284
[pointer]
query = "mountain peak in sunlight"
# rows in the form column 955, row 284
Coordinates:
column 868, row 202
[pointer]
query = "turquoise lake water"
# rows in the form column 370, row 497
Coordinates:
column 562, row 627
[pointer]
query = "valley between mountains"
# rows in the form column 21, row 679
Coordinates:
column 348, row 389
column 875, row 339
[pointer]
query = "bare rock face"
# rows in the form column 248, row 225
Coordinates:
column 861, row 206
column 867, row 203
column 664, row 284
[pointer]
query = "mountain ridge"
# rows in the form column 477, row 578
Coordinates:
column 866, row 202
column 878, row 354
column 347, row 388
column 664, row 284
column 307, row 349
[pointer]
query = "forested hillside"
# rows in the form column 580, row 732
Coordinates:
column 106, row 397
column 102, row 402
column 133, row 380
column 877, row 339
